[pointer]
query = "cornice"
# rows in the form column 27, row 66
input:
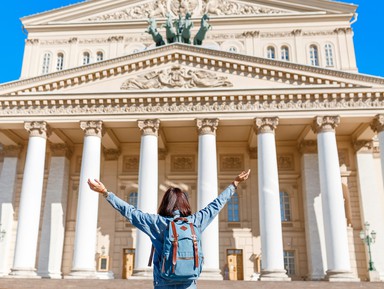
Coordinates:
column 245, row 65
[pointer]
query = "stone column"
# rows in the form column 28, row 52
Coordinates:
column 54, row 218
column 269, row 202
column 377, row 126
column 335, row 225
column 7, row 189
column 83, row 263
column 313, row 211
column 147, row 192
column 207, row 189
column 30, row 201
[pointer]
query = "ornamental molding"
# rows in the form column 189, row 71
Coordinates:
column 131, row 163
column 308, row 147
column 183, row 163
column 111, row 154
column 207, row 126
column 176, row 77
column 61, row 150
column 377, row 124
column 326, row 123
column 231, row 162
column 37, row 129
column 11, row 151
column 266, row 124
column 92, row 127
column 365, row 146
column 197, row 8
column 149, row 126
column 238, row 64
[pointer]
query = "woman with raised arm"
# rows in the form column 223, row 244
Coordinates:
column 174, row 206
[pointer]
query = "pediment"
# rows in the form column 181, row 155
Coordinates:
column 180, row 67
column 126, row 10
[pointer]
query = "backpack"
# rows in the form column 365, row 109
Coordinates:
column 182, row 257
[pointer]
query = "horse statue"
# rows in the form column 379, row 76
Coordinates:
column 170, row 29
column 187, row 26
column 152, row 30
column 204, row 27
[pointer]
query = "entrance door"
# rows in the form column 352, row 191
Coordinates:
column 128, row 262
column 235, row 264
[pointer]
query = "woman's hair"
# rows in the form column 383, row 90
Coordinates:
column 174, row 199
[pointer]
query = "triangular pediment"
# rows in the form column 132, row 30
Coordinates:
column 180, row 67
column 126, row 10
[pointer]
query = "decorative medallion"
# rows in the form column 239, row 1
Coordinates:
column 183, row 163
column 231, row 162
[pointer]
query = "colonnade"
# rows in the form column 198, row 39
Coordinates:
column 336, row 261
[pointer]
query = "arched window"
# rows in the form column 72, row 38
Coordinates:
column 132, row 199
column 46, row 63
column 285, row 208
column 86, row 58
column 60, row 61
column 285, row 53
column 99, row 56
column 271, row 52
column 329, row 55
column 232, row 49
column 314, row 55
column 233, row 209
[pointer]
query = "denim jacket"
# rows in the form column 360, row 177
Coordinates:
column 154, row 225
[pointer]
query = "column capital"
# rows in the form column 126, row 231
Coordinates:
column 37, row 128
column 207, row 125
column 326, row 123
column 377, row 123
column 111, row 154
column 266, row 124
column 92, row 127
column 60, row 150
column 366, row 146
column 149, row 126
column 12, row 151
column 308, row 147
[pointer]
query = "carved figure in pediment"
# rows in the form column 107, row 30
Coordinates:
column 158, row 9
column 170, row 30
column 182, row 6
column 204, row 27
column 152, row 30
column 187, row 26
column 212, row 7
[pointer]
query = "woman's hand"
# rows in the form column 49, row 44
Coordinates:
column 241, row 177
column 97, row 186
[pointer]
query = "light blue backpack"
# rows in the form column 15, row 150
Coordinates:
column 182, row 257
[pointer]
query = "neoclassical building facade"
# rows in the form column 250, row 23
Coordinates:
column 274, row 87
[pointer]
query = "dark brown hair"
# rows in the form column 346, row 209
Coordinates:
column 174, row 199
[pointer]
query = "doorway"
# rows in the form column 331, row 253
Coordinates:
column 235, row 264
column 128, row 262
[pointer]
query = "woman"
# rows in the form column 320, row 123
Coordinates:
column 174, row 204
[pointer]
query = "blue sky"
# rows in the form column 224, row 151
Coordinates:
column 368, row 37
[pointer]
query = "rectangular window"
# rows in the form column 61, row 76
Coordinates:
column 289, row 262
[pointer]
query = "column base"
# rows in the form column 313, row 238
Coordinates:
column 29, row 273
column 340, row 276
column 274, row 275
column 374, row 276
column 105, row 275
column 211, row 274
column 81, row 274
column 142, row 274
column 50, row 275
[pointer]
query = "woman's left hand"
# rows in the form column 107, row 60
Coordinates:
column 97, row 186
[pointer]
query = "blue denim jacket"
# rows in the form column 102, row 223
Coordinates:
column 154, row 225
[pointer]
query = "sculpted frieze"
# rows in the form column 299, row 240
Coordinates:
column 176, row 77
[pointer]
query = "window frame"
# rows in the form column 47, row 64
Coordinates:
column 270, row 49
column 329, row 55
column 60, row 61
column 314, row 59
column 46, row 65
column 233, row 209
column 285, row 206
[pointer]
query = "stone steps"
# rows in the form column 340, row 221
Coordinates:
column 141, row 284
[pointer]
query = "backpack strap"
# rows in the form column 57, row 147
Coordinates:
column 175, row 245
column 195, row 248
column 151, row 256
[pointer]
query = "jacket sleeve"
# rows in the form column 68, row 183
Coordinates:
column 205, row 216
column 148, row 223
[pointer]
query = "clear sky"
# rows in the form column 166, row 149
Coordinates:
column 368, row 37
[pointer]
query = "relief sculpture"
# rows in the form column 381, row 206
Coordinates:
column 176, row 77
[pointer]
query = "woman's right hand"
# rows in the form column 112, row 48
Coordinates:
column 241, row 177
column 97, row 186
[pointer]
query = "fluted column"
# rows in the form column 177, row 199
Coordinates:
column 206, row 192
column 269, row 202
column 313, row 211
column 378, row 126
column 7, row 191
column 147, row 192
column 30, row 201
column 54, row 217
column 83, row 263
column 335, row 225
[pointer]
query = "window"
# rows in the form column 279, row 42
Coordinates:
column 99, row 56
column 285, row 53
column 271, row 52
column 314, row 55
column 232, row 49
column 132, row 199
column 60, row 61
column 289, row 262
column 86, row 58
column 233, row 209
column 329, row 55
column 285, row 208
column 46, row 63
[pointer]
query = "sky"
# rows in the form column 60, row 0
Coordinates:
column 368, row 34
